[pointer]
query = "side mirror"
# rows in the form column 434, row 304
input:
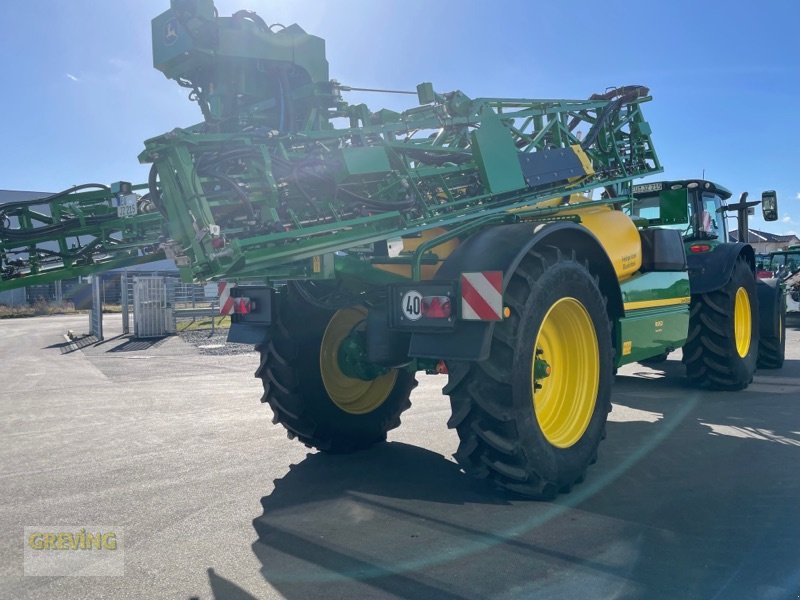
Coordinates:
column 769, row 205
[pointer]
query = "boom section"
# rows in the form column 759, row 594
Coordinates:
column 241, row 204
column 83, row 230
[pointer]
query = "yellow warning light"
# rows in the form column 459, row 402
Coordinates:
column 506, row 312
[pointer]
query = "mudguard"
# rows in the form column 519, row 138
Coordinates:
column 501, row 248
column 709, row 271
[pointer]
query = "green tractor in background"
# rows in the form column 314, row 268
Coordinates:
column 737, row 320
column 784, row 265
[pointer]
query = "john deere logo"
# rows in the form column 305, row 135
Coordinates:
column 171, row 32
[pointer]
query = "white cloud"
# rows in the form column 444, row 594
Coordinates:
column 798, row 195
column 73, row 78
column 787, row 219
column 790, row 232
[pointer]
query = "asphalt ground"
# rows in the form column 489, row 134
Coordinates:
column 695, row 495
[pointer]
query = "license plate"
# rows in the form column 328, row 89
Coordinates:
column 126, row 211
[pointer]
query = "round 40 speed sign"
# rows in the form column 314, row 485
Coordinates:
column 411, row 305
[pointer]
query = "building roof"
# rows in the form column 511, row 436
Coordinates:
column 20, row 196
column 762, row 237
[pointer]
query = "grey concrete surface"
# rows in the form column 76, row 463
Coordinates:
column 695, row 495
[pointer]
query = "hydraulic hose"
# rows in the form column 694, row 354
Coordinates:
column 7, row 210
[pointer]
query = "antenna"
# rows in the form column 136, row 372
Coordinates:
column 704, row 175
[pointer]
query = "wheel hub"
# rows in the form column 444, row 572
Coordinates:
column 352, row 383
column 541, row 368
column 352, row 358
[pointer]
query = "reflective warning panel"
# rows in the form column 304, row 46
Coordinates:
column 482, row 296
column 226, row 304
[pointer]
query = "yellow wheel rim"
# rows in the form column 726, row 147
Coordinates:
column 354, row 396
column 564, row 399
column 742, row 322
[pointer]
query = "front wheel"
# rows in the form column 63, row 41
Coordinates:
column 721, row 350
column 530, row 418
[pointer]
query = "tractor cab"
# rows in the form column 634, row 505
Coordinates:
column 697, row 207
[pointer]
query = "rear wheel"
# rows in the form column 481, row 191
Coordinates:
column 531, row 416
column 310, row 394
column 722, row 346
column 772, row 312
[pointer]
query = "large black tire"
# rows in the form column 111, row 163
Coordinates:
column 494, row 412
column 711, row 355
column 294, row 388
column 772, row 313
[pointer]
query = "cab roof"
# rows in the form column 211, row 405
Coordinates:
column 676, row 184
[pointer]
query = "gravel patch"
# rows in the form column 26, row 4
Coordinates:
column 215, row 344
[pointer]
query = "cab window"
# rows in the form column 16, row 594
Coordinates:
column 711, row 221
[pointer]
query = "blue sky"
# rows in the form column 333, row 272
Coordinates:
column 80, row 94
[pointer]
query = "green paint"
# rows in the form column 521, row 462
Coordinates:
column 651, row 332
column 365, row 161
column 674, row 205
column 496, row 155
column 425, row 93
column 655, row 285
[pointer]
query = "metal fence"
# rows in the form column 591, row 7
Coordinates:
column 153, row 314
column 193, row 305
column 197, row 306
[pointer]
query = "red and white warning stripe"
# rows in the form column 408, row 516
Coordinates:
column 482, row 296
column 225, row 300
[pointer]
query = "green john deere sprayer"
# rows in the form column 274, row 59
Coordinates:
column 483, row 238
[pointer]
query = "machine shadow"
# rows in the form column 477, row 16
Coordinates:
column 347, row 522
column 770, row 403
column 710, row 483
column 400, row 521
column 403, row 522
